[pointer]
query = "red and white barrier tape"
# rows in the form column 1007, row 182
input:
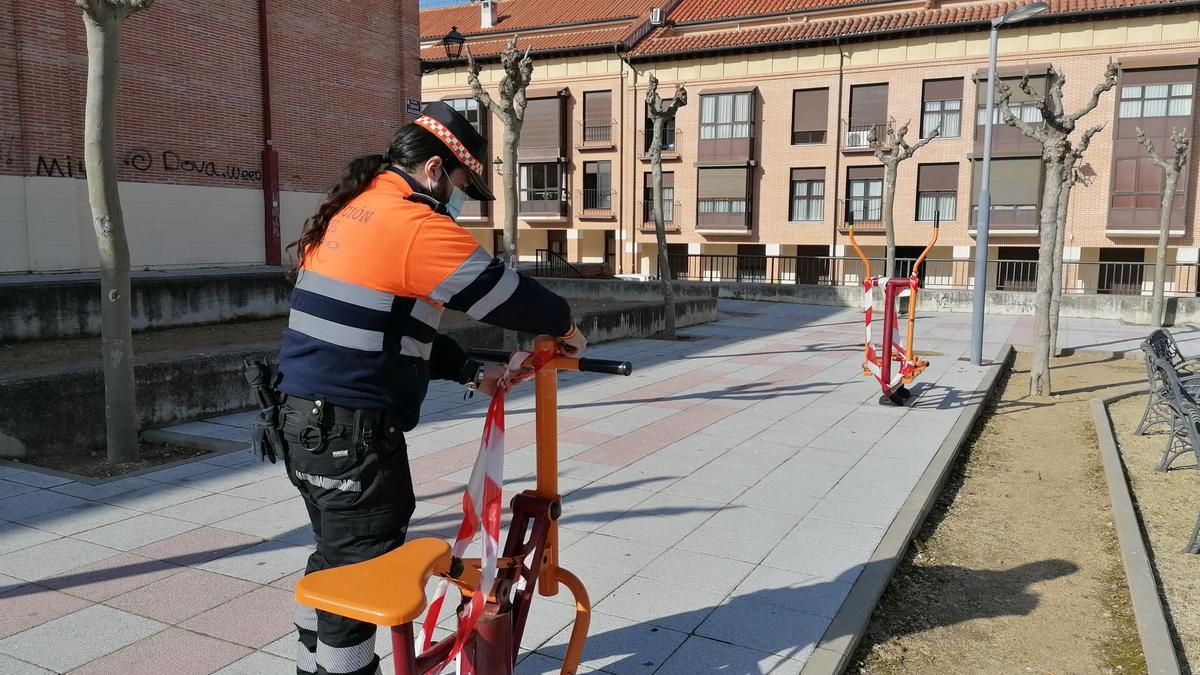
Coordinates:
column 482, row 504
column 874, row 362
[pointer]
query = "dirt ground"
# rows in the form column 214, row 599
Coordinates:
column 1167, row 504
column 1017, row 569
column 40, row 353
column 96, row 466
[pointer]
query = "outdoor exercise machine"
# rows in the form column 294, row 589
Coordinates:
column 390, row 590
column 878, row 364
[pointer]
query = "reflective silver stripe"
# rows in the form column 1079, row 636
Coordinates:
column 502, row 291
column 305, row 618
column 345, row 291
column 306, row 661
column 336, row 333
column 470, row 268
column 346, row 659
column 430, row 315
column 412, row 347
column 330, row 484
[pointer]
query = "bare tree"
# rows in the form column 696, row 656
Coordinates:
column 518, row 71
column 890, row 152
column 1171, row 168
column 661, row 112
column 1069, row 178
column 102, row 20
column 1058, row 157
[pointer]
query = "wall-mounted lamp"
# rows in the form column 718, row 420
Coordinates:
column 499, row 166
column 453, row 43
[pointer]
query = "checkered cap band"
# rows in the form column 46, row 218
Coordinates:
column 460, row 151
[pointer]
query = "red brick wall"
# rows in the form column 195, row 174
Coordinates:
column 190, row 106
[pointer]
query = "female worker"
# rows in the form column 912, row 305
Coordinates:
column 378, row 263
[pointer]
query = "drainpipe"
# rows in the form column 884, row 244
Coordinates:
column 270, row 158
column 837, row 152
column 635, row 163
column 621, row 156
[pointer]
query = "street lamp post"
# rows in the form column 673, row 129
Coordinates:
column 984, row 217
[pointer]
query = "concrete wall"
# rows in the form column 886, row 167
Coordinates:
column 62, row 412
column 57, row 306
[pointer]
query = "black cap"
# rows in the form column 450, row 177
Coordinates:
column 463, row 140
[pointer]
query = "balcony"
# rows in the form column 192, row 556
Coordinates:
column 596, row 204
column 596, row 135
column 670, row 150
column 474, row 212
column 542, row 204
column 1009, row 220
column 670, row 223
column 723, row 215
column 732, row 147
column 859, row 136
column 865, row 213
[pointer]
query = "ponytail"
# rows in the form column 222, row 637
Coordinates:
column 410, row 148
column 354, row 179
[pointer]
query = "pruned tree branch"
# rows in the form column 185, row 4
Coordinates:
column 654, row 100
column 101, row 10
column 1004, row 94
column 1111, row 74
column 477, row 89
column 1179, row 141
column 897, row 148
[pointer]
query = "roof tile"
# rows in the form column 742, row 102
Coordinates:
column 527, row 14
column 484, row 47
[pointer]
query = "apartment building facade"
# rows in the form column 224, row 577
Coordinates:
column 773, row 153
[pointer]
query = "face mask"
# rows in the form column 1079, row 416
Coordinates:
column 454, row 203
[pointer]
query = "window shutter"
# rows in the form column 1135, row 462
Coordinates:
column 808, row 174
column 937, row 177
column 723, row 183
column 597, row 106
column 810, row 110
column 868, row 104
column 541, row 136
column 942, row 90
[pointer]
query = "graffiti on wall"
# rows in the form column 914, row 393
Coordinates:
column 139, row 159
column 7, row 142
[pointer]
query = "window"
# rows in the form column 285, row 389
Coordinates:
column 810, row 116
column 597, row 118
column 1156, row 100
column 807, row 195
column 723, row 198
column 543, row 132
column 864, row 193
column 868, row 112
column 1121, row 271
column 597, row 186
column 468, row 108
column 752, row 262
column 1016, row 268
column 556, row 241
column 937, row 192
column 722, row 205
column 1016, row 188
column 541, row 182
column 725, row 116
column 668, row 133
column 941, row 107
column 668, row 193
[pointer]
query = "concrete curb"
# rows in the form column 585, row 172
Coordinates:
column 836, row 647
column 1153, row 628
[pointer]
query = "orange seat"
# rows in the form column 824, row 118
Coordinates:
column 387, row 591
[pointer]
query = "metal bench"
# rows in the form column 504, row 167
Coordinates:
column 1184, row 437
column 1161, row 345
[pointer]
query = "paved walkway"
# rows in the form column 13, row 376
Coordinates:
column 720, row 504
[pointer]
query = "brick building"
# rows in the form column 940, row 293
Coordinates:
column 190, row 128
column 772, row 152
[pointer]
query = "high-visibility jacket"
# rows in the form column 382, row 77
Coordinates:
column 363, row 327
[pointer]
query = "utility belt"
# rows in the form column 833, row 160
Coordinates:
column 314, row 425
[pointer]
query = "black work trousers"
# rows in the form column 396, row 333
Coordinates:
column 359, row 495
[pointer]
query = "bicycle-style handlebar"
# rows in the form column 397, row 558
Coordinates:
column 603, row 366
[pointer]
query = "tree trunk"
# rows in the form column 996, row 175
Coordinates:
column 99, row 152
column 1060, row 239
column 1039, row 368
column 512, row 137
column 660, row 228
column 1170, row 180
column 889, row 226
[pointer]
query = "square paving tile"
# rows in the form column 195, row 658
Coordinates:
column 182, row 596
column 34, row 605
column 620, row 646
column 663, row 604
column 827, row 562
column 11, row 666
column 174, row 651
column 104, row 491
column 697, row 570
column 78, row 518
column 36, row 479
column 618, row 555
column 702, row 655
column 765, row 627
column 197, row 546
column 270, row 490
column 39, row 502
column 724, row 542
column 816, row 533
column 210, row 509
column 14, row 537
column 260, row 663
column 154, row 496
column 135, row 532
column 52, row 558
column 103, row 579
column 853, row 512
column 261, row 563
column 794, row 591
column 95, row 631
column 11, row 489
column 255, row 619
column 269, row 521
